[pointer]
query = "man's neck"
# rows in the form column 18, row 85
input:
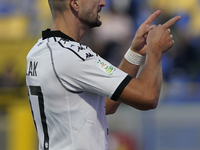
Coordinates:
column 69, row 26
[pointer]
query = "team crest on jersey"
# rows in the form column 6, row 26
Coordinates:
column 105, row 66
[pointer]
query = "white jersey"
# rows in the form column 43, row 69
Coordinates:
column 67, row 83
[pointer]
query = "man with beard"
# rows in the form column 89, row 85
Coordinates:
column 71, row 88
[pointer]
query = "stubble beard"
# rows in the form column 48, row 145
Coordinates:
column 90, row 19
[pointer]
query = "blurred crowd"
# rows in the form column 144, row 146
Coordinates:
column 121, row 18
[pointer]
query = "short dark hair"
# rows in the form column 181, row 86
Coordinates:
column 57, row 6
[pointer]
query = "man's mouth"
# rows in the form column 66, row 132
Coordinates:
column 99, row 10
column 98, row 13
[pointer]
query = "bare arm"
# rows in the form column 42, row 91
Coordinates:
column 143, row 93
column 111, row 106
column 138, row 46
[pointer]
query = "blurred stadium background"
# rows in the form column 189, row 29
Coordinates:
column 174, row 125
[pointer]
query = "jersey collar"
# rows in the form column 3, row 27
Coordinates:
column 48, row 33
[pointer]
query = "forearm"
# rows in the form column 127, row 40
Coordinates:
column 129, row 68
column 112, row 106
column 151, row 77
column 143, row 92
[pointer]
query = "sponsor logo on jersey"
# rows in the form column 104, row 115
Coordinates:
column 105, row 66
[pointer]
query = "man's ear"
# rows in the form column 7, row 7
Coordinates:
column 74, row 5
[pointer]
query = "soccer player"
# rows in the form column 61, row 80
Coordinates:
column 71, row 88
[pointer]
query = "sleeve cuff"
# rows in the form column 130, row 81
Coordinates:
column 121, row 87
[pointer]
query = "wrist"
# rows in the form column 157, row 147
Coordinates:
column 154, row 51
column 133, row 57
column 154, row 54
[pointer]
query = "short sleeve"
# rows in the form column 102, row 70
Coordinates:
column 86, row 71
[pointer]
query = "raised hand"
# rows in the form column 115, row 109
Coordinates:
column 139, row 41
column 160, row 38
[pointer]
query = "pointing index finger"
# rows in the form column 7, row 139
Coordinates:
column 171, row 21
column 151, row 18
